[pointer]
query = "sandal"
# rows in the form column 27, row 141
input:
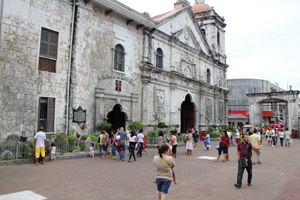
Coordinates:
column 129, row 161
column 216, row 161
column 254, row 163
column 223, row 160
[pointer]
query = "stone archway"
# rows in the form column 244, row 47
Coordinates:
column 116, row 117
column 291, row 98
column 187, row 114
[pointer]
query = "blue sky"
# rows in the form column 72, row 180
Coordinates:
column 262, row 36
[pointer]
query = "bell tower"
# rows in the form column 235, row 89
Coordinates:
column 199, row 1
column 181, row 4
column 212, row 26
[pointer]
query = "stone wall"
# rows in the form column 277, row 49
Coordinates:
column 21, row 83
column 146, row 90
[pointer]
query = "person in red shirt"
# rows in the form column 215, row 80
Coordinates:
column 224, row 144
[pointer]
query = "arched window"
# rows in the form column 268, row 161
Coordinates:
column 119, row 58
column 159, row 58
column 208, row 76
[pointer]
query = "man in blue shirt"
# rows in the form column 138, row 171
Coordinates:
column 123, row 139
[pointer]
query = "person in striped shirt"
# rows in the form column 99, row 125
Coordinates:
column 164, row 165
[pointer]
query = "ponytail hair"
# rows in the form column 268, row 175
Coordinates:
column 163, row 149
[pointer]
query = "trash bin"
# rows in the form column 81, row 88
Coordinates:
column 294, row 133
column 203, row 135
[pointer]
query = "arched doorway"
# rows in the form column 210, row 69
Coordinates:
column 116, row 118
column 187, row 114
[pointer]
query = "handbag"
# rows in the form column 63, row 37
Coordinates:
column 244, row 160
column 173, row 172
column 218, row 147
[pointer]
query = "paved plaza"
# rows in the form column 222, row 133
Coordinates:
column 277, row 178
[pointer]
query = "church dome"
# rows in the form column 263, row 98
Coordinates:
column 199, row 7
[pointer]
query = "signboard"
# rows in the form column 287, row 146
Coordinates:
column 79, row 115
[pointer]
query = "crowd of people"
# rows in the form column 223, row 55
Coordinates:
column 115, row 144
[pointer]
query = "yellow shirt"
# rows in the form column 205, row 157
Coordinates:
column 255, row 140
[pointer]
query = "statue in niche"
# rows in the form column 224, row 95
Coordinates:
column 208, row 110
column 188, row 71
column 186, row 36
column 220, row 79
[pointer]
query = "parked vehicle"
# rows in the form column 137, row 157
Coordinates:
column 278, row 126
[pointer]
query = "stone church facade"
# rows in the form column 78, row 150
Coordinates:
column 112, row 61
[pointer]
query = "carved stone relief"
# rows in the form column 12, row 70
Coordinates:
column 221, row 111
column 208, row 110
column 159, row 103
column 187, row 67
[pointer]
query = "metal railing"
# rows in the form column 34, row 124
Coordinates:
column 25, row 150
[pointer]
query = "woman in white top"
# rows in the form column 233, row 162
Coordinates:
column 132, row 141
column 281, row 136
column 127, row 141
column 140, row 137
column 189, row 142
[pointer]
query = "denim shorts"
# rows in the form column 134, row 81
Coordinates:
column 196, row 140
column 104, row 147
column 163, row 185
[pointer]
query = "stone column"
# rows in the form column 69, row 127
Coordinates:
column 99, row 106
column 255, row 113
column 225, row 109
column 288, row 116
column 172, row 104
column 145, row 101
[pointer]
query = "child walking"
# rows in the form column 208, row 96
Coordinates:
column 92, row 150
column 52, row 153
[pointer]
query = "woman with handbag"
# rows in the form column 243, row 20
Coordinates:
column 224, row 143
column 189, row 142
column 164, row 172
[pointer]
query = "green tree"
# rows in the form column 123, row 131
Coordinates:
column 136, row 126
column 104, row 125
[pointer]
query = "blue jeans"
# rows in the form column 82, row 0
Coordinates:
column 139, row 153
column 100, row 151
column 241, row 172
column 274, row 141
column 281, row 141
column 163, row 185
column 122, row 154
column 113, row 150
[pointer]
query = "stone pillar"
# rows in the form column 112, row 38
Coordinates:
column 225, row 110
column 99, row 106
column 288, row 114
column 145, row 101
column 172, row 104
column 255, row 113
column 146, row 56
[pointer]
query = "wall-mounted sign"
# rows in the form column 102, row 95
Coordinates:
column 79, row 115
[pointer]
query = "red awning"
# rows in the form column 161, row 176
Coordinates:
column 267, row 114
column 246, row 113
